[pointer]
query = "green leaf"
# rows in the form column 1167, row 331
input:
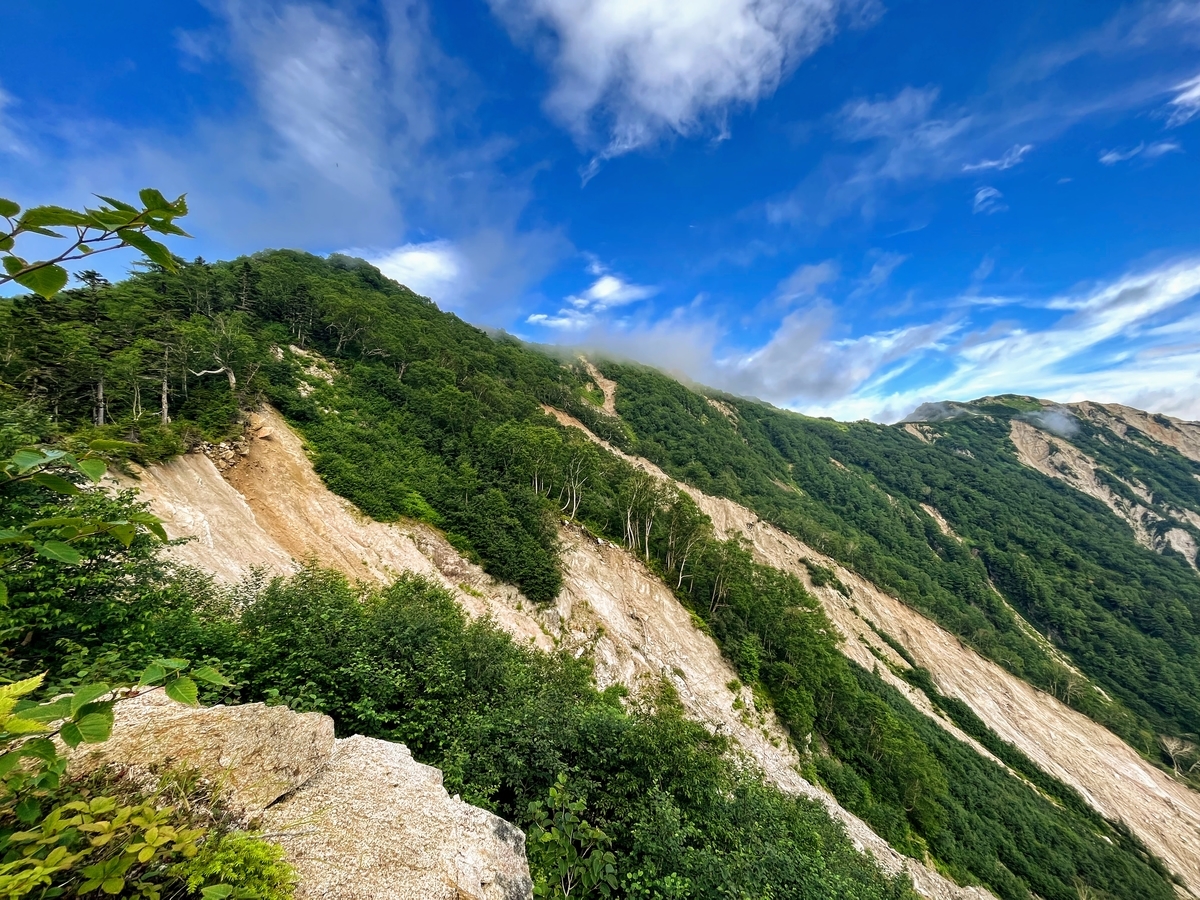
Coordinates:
column 41, row 216
column 8, row 208
column 71, row 735
column 8, row 762
column 55, row 482
column 13, row 264
column 93, row 468
column 124, row 533
column 95, row 728
column 28, row 811
column 60, row 552
column 58, row 522
column 154, row 201
column 209, row 675
column 173, row 664
column 153, row 674
column 3, row 593
column 183, row 690
column 45, row 281
column 47, row 712
column 155, row 251
column 216, row 892
column 40, row 748
column 110, row 219
column 6, row 242
column 117, row 204
column 113, row 885
column 27, row 459
column 86, row 695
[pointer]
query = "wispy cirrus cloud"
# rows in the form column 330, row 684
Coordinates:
column 1185, row 105
column 1144, row 150
column 627, row 73
column 1011, row 158
column 987, row 201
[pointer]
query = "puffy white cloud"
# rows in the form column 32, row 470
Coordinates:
column 1013, row 157
column 581, row 311
column 634, row 70
column 433, row 269
column 988, row 200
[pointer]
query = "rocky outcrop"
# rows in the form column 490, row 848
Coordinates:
column 359, row 818
column 375, row 823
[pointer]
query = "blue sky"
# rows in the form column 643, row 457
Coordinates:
column 846, row 207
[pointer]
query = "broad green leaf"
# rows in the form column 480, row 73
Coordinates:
column 55, row 483
column 71, row 735
column 57, row 522
column 8, row 762
column 45, row 281
column 6, row 242
column 40, row 748
column 13, row 264
column 180, row 205
column 209, row 675
column 28, row 811
column 8, row 208
column 156, row 529
column 86, row 695
column 183, row 690
column 60, row 552
column 93, row 468
column 163, row 226
column 27, row 459
column 3, row 593
column 113, row 885
column 124, row 533
column 47, row 712
column 42, row 216
column 18, row 725
column 117, row 204
column 216, row 892
column 153, row 674
column 173, row 664
column 95, row 728
column 17, row 689
column 154, row 251
column 153, row 200
column 110, row 219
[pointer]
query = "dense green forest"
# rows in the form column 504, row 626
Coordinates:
column 411, row 412
column 1127, row 616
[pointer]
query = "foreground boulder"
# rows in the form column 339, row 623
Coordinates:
column 359, row 818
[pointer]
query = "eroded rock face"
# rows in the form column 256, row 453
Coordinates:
column 375, row 823
column 254, row 754
column 359, row 818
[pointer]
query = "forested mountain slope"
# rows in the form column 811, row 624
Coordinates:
column 408, row 412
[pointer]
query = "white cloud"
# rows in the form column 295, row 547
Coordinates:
column 863, row 119
column 1147, row 151
column 433, row 269
column 988, row 200
column 8, row 137
column 319, row 83
column 581, row 311
column 635, row 71
column 1013, row 157
column 881, row 270
column 1186, row 103
column 806, row 281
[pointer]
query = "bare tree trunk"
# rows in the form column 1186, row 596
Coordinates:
column 100, row 402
